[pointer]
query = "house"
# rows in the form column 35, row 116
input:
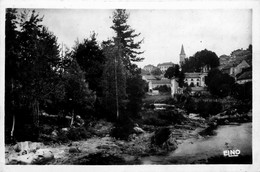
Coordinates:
column 244, row 77
column 164, row 66
column 195, row 79
column 149, row 68
column 235, row 67
column 152, row 84
column 174, row 87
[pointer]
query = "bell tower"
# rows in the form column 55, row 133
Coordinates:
column 182, row 55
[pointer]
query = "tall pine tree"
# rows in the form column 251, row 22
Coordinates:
column 126, row 36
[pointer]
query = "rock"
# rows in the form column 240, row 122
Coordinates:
column 65, row 129
column 138, row 130
column 54, row 133
column 27, row 147
column 74, row 150
column 226, row 121
column 171, row 144
column 41, row 156
column 161, row 136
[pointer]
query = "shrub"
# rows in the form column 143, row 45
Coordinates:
column 172, row 117
column 78, row 134
column 123, row 127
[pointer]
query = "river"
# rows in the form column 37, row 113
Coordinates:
column 210, row 149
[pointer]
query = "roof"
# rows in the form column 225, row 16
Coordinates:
column 245, row 75
column 192, row 75
column 149, row 77
column 233, row 64
column 149, row 66
column 166, row 64
column 164, row 81
column 182, row 50
column 144, row 72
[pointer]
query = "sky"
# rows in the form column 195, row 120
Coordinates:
column 163, row 30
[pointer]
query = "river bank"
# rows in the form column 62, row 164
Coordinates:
column 190, row 142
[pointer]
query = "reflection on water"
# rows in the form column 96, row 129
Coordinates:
column 199, row 150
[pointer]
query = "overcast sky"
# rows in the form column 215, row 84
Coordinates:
column 164, row 31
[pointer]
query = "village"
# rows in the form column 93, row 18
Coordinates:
column 237, row 65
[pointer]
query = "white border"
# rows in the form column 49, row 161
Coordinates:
column 145, row 4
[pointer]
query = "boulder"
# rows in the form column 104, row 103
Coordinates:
column 41, row 156
column 65, row 129
column 138, row 130
column 54, row 133
column 171, row 144
column 161, row 136
column 27, row 147
column 74, row 149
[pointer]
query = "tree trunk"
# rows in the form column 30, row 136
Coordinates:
column 36, row 112
column 72, row 118
column 12, row 131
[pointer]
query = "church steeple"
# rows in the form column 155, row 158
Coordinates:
column 182, row 55
column 182, row 50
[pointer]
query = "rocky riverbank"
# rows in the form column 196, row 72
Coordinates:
column 101, row 148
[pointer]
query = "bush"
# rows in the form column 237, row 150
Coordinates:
column 155, row 121
column 204, row 108
column 172, row 117
column 160, row 136
column 78, row 134
column 123, row 127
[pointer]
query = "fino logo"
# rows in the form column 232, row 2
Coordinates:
column 231, row 153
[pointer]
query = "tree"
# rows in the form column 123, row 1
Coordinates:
column 175, row 71
column 156, row 71
column 91, row 60
column 126, row 36
column 219, row 84
column 113, row 80
column 34, row 59
column 11, row 69
column 78, row 98
column 135, row 89
column 199, row 60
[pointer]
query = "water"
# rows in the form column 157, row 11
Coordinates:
column 200, row 150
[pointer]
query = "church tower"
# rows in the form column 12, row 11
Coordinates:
column 182, row 55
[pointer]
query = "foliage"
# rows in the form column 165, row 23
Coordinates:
column 34, row 59
column 37, row 77
column 243, row 91
column 202, row 107
column 199, row 60
column 135, row 91
column 175, row 71
column 156, row 71
column 113, row 80
column 123, row 127
column 78, row 98
column 219, row 84
column 91, row 60
column 78, row 133
column 126, row 35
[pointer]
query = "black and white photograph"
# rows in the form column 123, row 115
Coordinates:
column 130, row 86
